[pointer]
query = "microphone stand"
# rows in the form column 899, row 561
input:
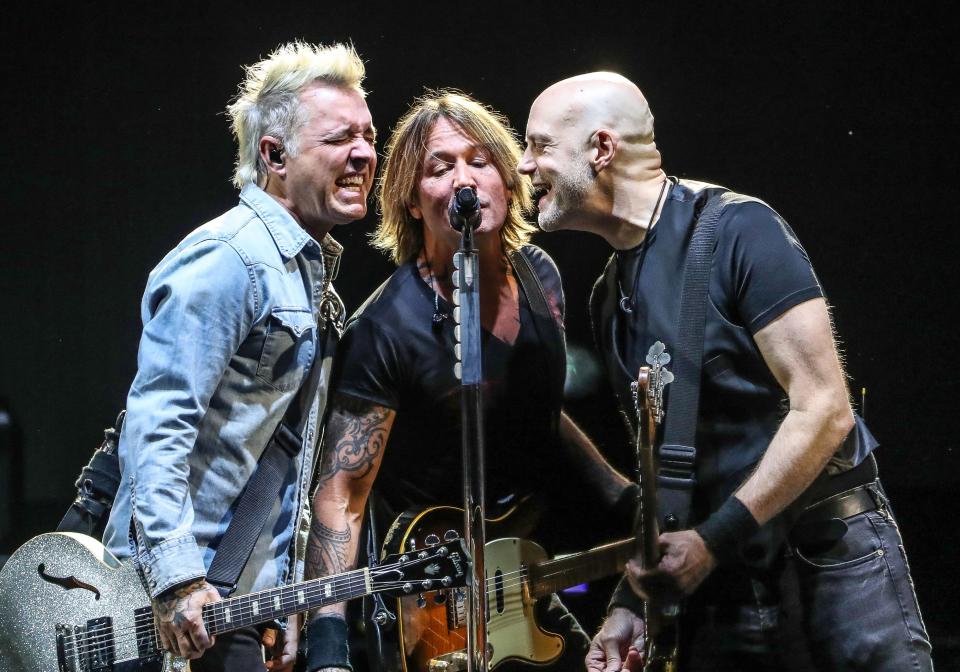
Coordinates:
column 464, row 216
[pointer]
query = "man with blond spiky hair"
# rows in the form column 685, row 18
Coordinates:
column 235, row 319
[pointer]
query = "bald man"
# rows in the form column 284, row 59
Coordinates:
column 787, row 508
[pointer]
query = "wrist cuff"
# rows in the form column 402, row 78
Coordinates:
column 623, row 596
column 726, row 528
column 327, row 643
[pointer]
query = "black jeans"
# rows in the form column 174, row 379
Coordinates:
column 850, row 607
column 237, row 651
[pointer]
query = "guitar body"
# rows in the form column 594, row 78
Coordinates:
column 37, row 595
column 432, row 630
column 68, row 605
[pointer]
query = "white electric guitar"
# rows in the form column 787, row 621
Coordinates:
column 67, row 604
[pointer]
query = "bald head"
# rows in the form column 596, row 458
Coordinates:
column 591, row 155
column 599, row 100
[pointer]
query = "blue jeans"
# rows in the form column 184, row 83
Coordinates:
column 847, row 607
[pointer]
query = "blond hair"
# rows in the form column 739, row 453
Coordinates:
column 268, row 102
column 398, row 233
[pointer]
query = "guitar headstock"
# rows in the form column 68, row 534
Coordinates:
column 658, row 378
column 434, row 567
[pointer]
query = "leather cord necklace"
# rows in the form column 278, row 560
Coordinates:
column 626, row 300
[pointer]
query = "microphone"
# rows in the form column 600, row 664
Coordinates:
column 465, row 209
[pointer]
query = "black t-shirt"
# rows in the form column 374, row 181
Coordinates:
column 759, row 271
column 393, row 355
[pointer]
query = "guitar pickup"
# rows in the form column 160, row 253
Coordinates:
column 87, row 648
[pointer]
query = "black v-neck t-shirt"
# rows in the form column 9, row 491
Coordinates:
column 393, row 355
column 759, row 271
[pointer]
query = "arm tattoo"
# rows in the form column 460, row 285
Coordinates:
column 356, row 434
column 327, row 550
column 171, row 607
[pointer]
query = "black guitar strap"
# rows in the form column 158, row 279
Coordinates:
column 553, row 339
column 261, row 492
column 678, row 453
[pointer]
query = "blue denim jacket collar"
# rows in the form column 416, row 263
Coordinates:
column 289, row 236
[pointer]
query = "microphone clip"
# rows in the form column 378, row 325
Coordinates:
column 465, row 209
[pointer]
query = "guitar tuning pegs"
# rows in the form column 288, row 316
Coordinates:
column 457, row 370
column 421, row 601
column 432, row 540
column 457, row 351
column 456, row 298
column 450, row 535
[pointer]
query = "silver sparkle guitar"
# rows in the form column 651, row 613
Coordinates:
column 67, row 604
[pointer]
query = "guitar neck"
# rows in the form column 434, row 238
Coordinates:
column 255, row 608
column 551, row 576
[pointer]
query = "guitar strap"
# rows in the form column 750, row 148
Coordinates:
column 552, row 337
column 261, row 492
column 676, row 474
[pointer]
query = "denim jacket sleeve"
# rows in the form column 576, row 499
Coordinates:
column 199, row 306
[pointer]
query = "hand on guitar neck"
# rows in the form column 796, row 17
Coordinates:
column 179, row 613
column 685, row 562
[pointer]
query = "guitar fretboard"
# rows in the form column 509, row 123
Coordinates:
column 254, row 608
column 551, row 576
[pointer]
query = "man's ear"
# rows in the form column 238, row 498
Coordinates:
column 272, row 154
column 414, row 210
column 603, row 147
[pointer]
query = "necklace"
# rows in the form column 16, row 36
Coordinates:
column 626, row 300
column 426, row 272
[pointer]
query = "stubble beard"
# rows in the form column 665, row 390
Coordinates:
column 569, row 193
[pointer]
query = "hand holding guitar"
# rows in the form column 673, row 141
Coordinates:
column 180, row 618
column 684, row 564
column 619, row 645
column 281, row 646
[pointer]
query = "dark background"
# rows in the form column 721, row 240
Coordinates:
column 833, row 112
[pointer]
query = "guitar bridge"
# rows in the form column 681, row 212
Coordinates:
column 68, row 655
column 455, row 661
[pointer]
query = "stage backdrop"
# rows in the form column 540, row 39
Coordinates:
column 117, row 146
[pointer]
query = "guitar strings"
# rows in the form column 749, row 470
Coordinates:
column 144, row 624
column 243, row 611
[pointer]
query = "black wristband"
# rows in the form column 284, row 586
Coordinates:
column 327, row 643
column 726, row 528
column 623, row 596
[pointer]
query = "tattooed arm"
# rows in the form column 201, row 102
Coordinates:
column 179, row 615
column 356, row 435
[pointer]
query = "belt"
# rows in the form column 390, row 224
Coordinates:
column 823, row 521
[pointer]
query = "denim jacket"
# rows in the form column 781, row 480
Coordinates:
column 233, row 318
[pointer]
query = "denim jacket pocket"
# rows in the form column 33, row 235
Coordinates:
column 288, row 348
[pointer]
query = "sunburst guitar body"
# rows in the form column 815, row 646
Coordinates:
column 518, row 573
